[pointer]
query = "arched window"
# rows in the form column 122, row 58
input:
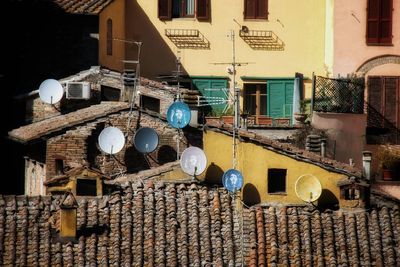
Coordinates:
column 109, row 37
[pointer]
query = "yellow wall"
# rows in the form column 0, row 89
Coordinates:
column 300, row 25
column 115, row 11
column 254, row 162
column 68, row 222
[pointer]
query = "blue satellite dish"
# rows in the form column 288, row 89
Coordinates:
column 178, row 114
column 232, row 180
column 146, row 140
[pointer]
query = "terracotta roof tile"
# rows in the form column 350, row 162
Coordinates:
column 191, row 224
column 45, row 127
column 83, row 6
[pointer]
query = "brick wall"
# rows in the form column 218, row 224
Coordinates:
column 80, row 146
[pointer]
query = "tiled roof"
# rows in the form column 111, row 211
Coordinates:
column 92, row 7
column 189, row 224
column 287, row 149
column 45, row 127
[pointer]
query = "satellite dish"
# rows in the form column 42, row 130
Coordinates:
column 308, row 188
column 111, row 140
column 51, row 91
column 193, row 161
column 146, row 140
column 178, row 114
column 232, row 180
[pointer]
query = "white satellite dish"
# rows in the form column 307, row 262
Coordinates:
column 51, row 91
column 193, row 161
column 308, row 188
column 111, row 140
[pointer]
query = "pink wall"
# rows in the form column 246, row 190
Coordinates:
column 350, row 49
column 346, row 134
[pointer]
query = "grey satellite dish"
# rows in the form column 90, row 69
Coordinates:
column 146, row 140
column 308, row 188
column 51, row 91
column 111, row 140
column 193, row 161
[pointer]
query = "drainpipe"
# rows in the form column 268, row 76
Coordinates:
column 323, row 147
column 366, row 158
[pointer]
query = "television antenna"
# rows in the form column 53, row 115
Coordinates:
column 236, row 95
column 127, row 78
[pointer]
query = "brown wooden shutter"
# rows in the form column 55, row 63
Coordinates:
column 375, row 115
column 385, row 23
column 203, row 10
column 262, row 9
column 250, row 9
column 373, row 21
column 109, row 45
column 164, row 9
column 391, row 104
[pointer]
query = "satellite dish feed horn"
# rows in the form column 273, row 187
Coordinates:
column 308, row 188
column 51, row 91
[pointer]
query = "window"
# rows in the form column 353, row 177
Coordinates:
column 379, row 22
column 255, row 99
column 85, row 187
column 150, row 103
column 277, row 181
column 256, row 9
column 168, row 9
column 109, row 37
column 351, row 193
column 109, row 93
column 59, row 166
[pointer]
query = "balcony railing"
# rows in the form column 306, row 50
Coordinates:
column 262, row 40
column 187, row 38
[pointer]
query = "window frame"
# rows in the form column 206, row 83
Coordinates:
column 165, row 9
column 378, row 40
column 256, row 11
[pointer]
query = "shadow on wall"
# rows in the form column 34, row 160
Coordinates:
column 166, row 154
column 135, row 161
column 328, row 200
column 156, row 57
column 251, row 196
column 214, row 174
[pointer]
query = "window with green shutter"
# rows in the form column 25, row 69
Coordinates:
column 211, row 88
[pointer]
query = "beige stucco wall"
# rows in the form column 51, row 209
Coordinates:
column 350, row 49
column 346, row 134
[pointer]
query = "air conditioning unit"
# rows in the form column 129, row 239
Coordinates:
column 78, row 90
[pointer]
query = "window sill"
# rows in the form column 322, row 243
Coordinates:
column 379, row 44
column 256, row 19
column 183, row 19
column 278, row 194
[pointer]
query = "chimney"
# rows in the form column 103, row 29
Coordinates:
column 323, row 147
column 366, row 158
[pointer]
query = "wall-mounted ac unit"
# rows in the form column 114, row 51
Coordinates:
column 78, row 90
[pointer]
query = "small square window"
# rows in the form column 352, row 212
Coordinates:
column 86, row 187
column 277, row 181
column 150, row 103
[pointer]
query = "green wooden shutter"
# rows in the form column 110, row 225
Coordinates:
column 280, row 98
column 203, row 84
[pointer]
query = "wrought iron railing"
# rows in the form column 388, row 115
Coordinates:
column 343, row 95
